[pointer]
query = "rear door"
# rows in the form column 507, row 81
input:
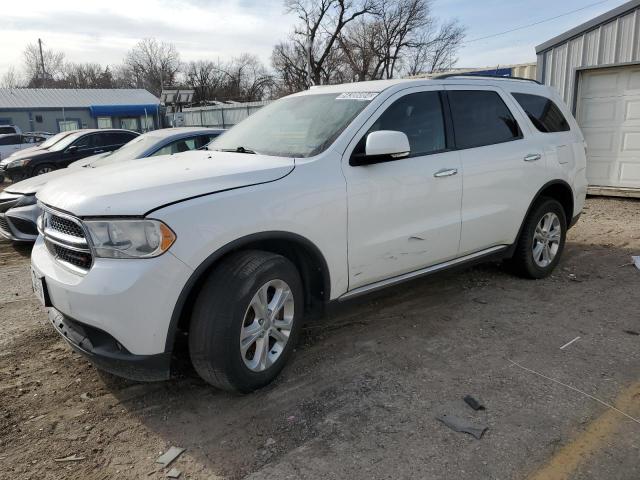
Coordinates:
column 404, row 213
column 503, row 165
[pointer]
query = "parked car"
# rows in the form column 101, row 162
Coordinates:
column 5, row 129
column 73, row 147
column 13, row 142
column 25, row 152
column 19, row 210
column 321, row 196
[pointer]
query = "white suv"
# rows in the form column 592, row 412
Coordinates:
column 320, row 196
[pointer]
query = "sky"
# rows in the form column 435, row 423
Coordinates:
column 102, row 32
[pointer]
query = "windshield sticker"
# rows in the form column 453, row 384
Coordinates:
column 366, row 96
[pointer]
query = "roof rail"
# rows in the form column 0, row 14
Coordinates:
column 494, row 77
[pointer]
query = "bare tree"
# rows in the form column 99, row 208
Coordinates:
column 248, row 79
column 11, row 79
column 436, row 50
column 153, row 64
column 322, row 22
column 53, row 65
column 206, row 78
column 86, row 75
column 289, row 62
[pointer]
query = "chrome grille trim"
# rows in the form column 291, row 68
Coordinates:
column 61, row 233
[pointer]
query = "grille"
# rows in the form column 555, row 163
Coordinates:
column 4, row 225
column 66, row 255
column 66, row 226
column 66, row 241
column 24, row 226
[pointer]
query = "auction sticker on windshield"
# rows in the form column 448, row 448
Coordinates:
column 366, row 96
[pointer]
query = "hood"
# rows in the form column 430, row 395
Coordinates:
column 137, row 186
column 33, row 184
column 24, row 153
column 89, row 160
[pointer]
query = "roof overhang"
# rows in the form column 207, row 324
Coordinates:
column 590, row 25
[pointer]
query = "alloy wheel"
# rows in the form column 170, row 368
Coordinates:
column 546, row 239
column 266, row 326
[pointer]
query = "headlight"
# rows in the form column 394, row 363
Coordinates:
column 19, row 163
column 130, row 238
column 26, row 200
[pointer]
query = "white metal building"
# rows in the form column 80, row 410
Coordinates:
column 596, row 68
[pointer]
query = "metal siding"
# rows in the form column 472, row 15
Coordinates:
column 626, row 34
column 21, row 98
column 616, row 41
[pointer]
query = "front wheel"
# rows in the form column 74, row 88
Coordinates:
column 246, row 321
column 42, row 169
column 542, row 240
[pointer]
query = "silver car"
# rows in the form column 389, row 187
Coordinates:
column 18, row 207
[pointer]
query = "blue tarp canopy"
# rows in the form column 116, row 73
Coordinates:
column 123, row 110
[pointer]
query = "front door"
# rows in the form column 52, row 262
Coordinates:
column 404, row 214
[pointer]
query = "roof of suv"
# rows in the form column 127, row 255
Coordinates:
column 377, row 86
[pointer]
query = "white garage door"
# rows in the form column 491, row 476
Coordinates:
column 608, row 112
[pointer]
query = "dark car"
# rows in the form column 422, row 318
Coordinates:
column 71, row 148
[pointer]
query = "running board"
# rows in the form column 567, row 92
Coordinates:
column 421, row 273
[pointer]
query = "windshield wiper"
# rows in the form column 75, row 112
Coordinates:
column 238, row 150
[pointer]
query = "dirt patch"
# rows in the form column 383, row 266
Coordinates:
column 360, row 396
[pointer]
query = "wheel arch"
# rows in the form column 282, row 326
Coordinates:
column 304, row 254
column 556, row 189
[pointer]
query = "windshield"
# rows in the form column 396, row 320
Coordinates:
column 66, row 141
column 129, row 151
column 301, row 126
column 55, row 139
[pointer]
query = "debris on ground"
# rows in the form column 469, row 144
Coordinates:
column 169, row 456
column 270, row 441
column 631, row 332
column 473, row 403
column 461, row 425
column 85, row 396
column 174, row 473
column 70, row 458
column 636, row 261
column 569, row 343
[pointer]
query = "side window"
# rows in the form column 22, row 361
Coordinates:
column 10, row 140
column 543, row 113
column 204, row 140
column 480, row 117
column 83, row 143
column 177, row 146
column 420, row 117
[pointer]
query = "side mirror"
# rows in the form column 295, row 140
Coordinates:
column 383, row 146
column 72, row 149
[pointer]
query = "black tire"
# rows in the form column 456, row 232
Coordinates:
column 42, row 169
column 219, row 314
column 522, row 262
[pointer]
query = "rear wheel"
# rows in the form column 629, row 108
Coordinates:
column 246, row 321
column 42, row 169
column 542, row 240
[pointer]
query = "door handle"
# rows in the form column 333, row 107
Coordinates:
column 98, row 151
column 445, row 172
column 532, row 157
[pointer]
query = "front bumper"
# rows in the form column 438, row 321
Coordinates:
column 129, row 300
column 107, row 354
column 19, row 224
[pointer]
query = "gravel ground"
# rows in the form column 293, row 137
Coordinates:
column 360, row 396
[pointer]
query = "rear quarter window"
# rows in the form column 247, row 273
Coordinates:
column 480, row 117
column 543, row 113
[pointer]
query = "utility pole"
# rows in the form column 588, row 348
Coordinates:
column 309, row 47
column 41, row 62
